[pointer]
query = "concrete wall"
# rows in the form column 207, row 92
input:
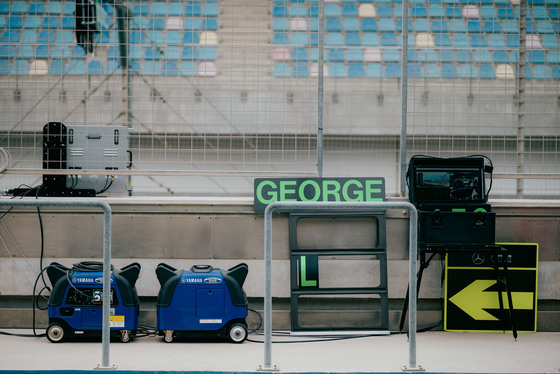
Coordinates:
column 184, row 232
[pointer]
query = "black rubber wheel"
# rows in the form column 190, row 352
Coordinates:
column 56, row 332
column 237, row 333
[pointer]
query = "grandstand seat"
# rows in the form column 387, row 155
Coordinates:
column 175, row 9
column 95, row 67
column 482, row 56
column 349, row 10
column 191, row 24
column 333, row 24
column 64, row 37
column 471, row 11
column 68, row 23
column 4, row 8
column 446, row 56
column 20, row 67
column 538, row 12
column 77, row 53
column 280, row 24
column 173, row 38
column 418, row 11
column 7, row 51
column 191, row 38
column 2, row 22
column 384, row 10
column 354, row 55
column 554, row 13
column 393, row 71
column 425, row 40
column 374, row 70
column 169, row 68
column 156, row 24
column 299, row 39
column 474, row 26
column 38, row 67
column 512, row 41
column 386, row 25
column 50, row 22
column 550, row 41
column 530, row 27
column 60, row 52
column 370, row 39
column 153, row 52
column 138, row 23
column 461, row 40
column 333, row 10
column 313, row 25
column 457, row 26
column 19, row 7
column 351, row 25
column 28, row 37
column 430, row 71
column 189, row 69
column 334, row 38
column 155, row 37
column 158, row 9
column 462, row 55
column 453, row 11
column 556, row 72
column 281, row 54
column 14, row 22
column 296, row 24
column 207, row 53
column 439, row 26
column 388, row 39
column 189, row 53
column 171, row 52
column 113, row 67
column 150, row 68
column 366, row 10
column 420, row 25
column 505, row 71
column 369, row 24
column 335, row 55
column 353, row 39
column 397, row 10
column 541, row 72
column 478, row 40
column 545, row 27
column 487, row 71
column 25, row 52
column 43, row 51
column 338, row 71
column 281, row 70
column 313, row 11
column 36, row 8
column 492, row 27
column 496, row 41
column 194, row 10
column 442, row 40
column 510, row 26
column 427, row 55
column 414, row 71
column 210, row 10
column 487, row 12
column 356, row 71
column 391, row 55
column 535, row 56
column 467, row 71
column 57, row 67
column 300, row 70
column 501, row 56
column 135, row 52
column 32, row 22
column 436, row 11
column 141, row 9
column 299, row 54
column 448, row 71
column 505, row 12
column 297, row 10
column 136, row 37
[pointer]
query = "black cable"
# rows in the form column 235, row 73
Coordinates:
column 260, row 320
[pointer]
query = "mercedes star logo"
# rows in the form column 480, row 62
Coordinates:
column 478, row 258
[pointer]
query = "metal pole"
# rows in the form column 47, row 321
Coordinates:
column 280, row 206
column 320, row 88
column 404, row 96
column 106, row 256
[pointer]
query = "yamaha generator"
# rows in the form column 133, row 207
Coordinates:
column 202, row 302
column 75, row 304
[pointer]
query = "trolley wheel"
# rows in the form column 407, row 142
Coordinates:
column 237, row 333
column 125, row 336
column 168, row 336
column 56, row 332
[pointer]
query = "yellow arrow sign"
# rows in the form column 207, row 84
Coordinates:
column 473, row 300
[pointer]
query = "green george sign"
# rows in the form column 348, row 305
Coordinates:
column 269, row 190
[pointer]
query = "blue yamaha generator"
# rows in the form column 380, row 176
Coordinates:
column 75, row 304
column 202, row 302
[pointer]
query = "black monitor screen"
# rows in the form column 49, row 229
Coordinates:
column 434, row 184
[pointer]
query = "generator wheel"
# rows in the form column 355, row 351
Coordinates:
column 125, row 336
column 237, row 333
column 168, row 336
column 56, row 332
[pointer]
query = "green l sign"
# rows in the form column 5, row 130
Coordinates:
column 269, row 190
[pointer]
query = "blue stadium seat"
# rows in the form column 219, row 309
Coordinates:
column 281, row 70
column 113, row 67
column 487, row 12
column 418, row 11
column 427, row 55
column 467, row 71
column 20, row 67
column 453, row 11
column 397, row 9
column 436, row 11
column 531, row 27
column 150, row 68
column 64, row 37
column 338, row 71
column 512, row 41
column 210, row 24
column 354, row 55
column 313, row 25
column 189, row 69
column 28, row 37
column 334, row 38
column 43, row 52
column 192, row 24
column 31, row 22
column 46, row 36
column 335, row 55
column 299, row 54
column 158, row 9
column 556, row 72
column 313, row 11
column 384, row 10
column 153, row 52
column 349, row 10
column 420, row 25
column 175, row 9
column 356, row 71
column 554, row 13
column 539, row 12
column 369, row 24
column 19, row 7
column 370, row 39
column 156, row 24
column 25, row 52
column 189, row 53
column 353, row 39
column 136, row 37
column 280, row 24
column 457, row 26
column 374, row 70
column 207, row 53
column 280, row 38
column 171, row 52
column 442, row 40
column 7, row 51
column 505, row 12
column 414, row 71
column 510, row 26
column 388, row 39
column 478, row 40
column 391, row 55
column 14, row 22
column 300, row 70
column 333, row 24
column 138, row 23
column 4, row 67
column 68, row 23
column 463, row 56
column 95, row 67
column 169, row 69
column 474, row 26
column 192, row 38
column 141, row 9
column 2, row 22
column 173, row 38
column 392, row 70
column 299, row 39
column 5, row 8
column 351, row 25
column 448, row 71
column 430, row 71
column 482, row 56
column 550, row 41
column 492, row 27
column 36, row 8
column 501, row 56
column 496, row 41
column 69, row 8
column 154, row 37
column 297, row 10
column 60, row 52
column 57, row 67
column 386, row 25
column 77, row 53
column 446, row 56
column 487, row 71
column 332, row 10
column 541, row 72
column 545, row 27
column 439, row 26
column 313, row 39
column 535, row 56
column 50, row 22
column 194, row 10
